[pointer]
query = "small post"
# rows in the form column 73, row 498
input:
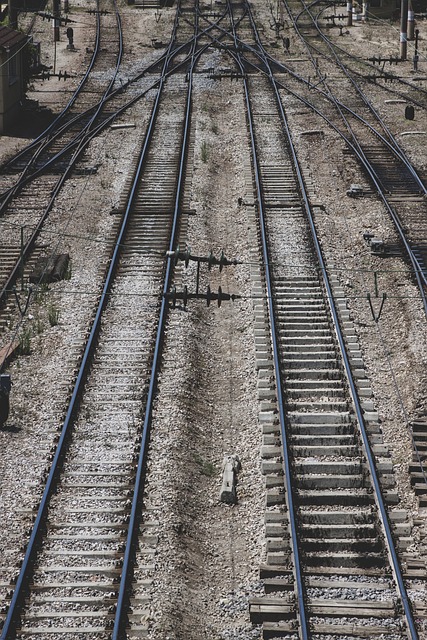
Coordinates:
column 66, row 6
column 21, row 262
column 416, row 56
column 280, row 16
column 403, row 29
column 349, row 13
column 231, row 466
column 5, row 385
column 197, row 278
column 70, row 36
column 411, row 21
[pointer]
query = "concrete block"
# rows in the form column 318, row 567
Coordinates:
column 271, row 451
column 271, row 427
column 231, row 466
column 371, row 416
column 367, row 405
column 270, row 466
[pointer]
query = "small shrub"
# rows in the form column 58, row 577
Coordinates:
column 206, row 468
column 68, row 273
column 24, row 347
column 38, row 326
column 53, row 315
column 205, row 152
column 40, row 293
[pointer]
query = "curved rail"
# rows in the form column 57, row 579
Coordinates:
column 398, row 150
column 420, row 276
column 26, row 250
column 364, row 62
column 362, row 427
column 45, row 138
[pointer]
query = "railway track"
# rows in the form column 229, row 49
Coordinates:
column 319, row 466
column 364, row 70
column 30, row 189
column 102, row 460
column 382, row 158
column 332, row 516
column 95, row 84
column 394, row 178
column 43, row 183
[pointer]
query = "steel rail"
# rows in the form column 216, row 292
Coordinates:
column 135, row 514
column 420, row 276
column 10, row 626
column 69, row 104
column 300, row 587
column 24, row 178
column 396, row 150
column 369, row 106
column 328, row 96
column 365, row 63
column 397, row 572
column 26, row 250
column 22, row 583
column 76, row 141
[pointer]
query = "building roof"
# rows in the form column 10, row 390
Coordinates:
column 10, row 38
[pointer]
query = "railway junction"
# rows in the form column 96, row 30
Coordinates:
column 212, row 324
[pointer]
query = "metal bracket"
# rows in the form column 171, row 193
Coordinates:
column 5, row 383
column 313, row 86
column 47, row 75
column 101, row 12
column 49, row 16
column 212, row 261
column 209, row 296
column 375, row 316
column 186, row 256
column 23, row 311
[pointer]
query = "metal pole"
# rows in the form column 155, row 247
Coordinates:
column 403, row 28
column 365, row 10
column 411, row 21
column 13, row 14
column 349, row 13
column 56, row 15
